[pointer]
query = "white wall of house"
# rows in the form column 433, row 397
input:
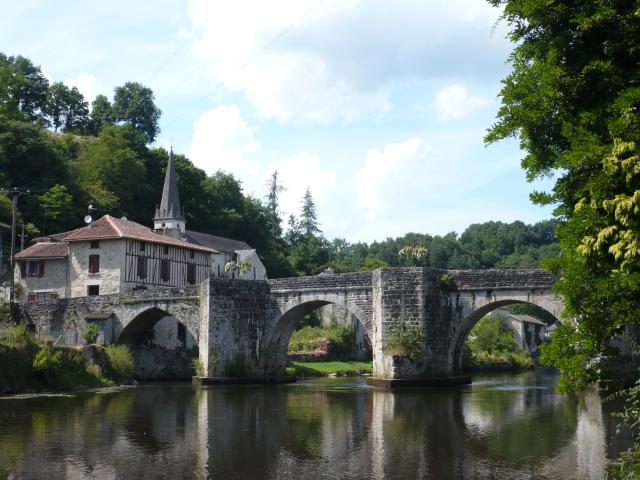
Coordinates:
column 257, row 270
column 218, row 261
column 54, row 280
column 110, row 276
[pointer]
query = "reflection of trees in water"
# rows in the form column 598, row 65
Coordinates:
column 299, row 431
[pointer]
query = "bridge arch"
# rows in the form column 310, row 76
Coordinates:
column 137, row 325
column 288, row 316
column 473, row 316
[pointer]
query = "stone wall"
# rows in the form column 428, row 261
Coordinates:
column 54, row 280
column 109, row 278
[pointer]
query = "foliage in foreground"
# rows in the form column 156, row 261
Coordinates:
column 28, row 365
column 119, row 361
column 492, row 344
column 628, row 465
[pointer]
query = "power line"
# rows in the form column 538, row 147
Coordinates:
column 190, row 74
column 245, row 64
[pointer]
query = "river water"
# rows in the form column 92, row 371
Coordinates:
column 505, row 427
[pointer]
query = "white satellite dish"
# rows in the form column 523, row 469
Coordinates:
column 88, row 219
column 124, row 219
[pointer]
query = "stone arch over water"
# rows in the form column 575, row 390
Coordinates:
column 289, row 316
column 472, row 317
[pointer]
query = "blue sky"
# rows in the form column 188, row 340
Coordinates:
column 379, row 107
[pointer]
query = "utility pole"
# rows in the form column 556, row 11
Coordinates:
column 15, row 193
column 22, row 238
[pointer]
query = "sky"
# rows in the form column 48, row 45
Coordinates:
column 379, row 107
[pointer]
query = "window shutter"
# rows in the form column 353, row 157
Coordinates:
column 23, row 269
column 191, row 274
column 142, row 267
column 41, row 269
column 94, row 263
column 31, row 297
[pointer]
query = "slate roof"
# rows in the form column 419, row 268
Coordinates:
column 170, row 203
column 217, row 243
column 45, row 250
column 109, row 227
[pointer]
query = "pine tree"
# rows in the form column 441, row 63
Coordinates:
column 308, row 217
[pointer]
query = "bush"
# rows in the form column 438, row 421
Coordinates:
column 47, row 365
column 198, row 367
column 405, row 339
column 91, row 333
column 492, row 344
column 119, row 362
column 16, row 369
column 18, row 337
column 333, row 341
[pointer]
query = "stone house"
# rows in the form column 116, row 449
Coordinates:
column 108, row 256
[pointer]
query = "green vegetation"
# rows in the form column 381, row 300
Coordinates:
column 323, row 369
column 491, row 345
column 120, row 363
column 198, row 367
column 91, row 333
column 26, row 365
column 572, row 99
column 329, row 342
column 405, row 339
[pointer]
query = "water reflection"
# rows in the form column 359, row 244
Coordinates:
column 510, row 427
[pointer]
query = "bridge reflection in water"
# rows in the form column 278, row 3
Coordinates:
column 501, row 427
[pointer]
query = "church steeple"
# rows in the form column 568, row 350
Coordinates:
column 169, row 216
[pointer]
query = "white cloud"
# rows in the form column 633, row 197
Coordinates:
column 298, row 172
column 304, row 60
column 454, row 102
column 222, row 140
column 87, row 84
column 388, row 172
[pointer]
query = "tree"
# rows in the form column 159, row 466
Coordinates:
column 23, row 88
column 101, row 114
column 308, row 216
column 133, row 104
column 572, row 99
column 66, row 108
column 58, row 209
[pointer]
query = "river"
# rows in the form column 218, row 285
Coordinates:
column 511, row 426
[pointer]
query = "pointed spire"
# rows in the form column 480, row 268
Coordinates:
column 170, row 203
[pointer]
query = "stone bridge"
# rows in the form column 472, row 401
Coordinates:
column 248, row 323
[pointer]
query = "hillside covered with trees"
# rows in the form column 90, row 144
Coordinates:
column 71, row 154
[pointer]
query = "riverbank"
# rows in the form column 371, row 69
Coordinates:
column 346, row 368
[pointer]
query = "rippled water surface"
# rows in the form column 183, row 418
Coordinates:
column 504, row 427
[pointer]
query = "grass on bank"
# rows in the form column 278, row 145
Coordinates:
column 323, row 369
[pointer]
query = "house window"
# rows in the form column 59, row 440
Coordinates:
column 191, row 274
column 94, row 263
column 143, row 246
column 165, row 249
column 42, row 296
column 94, row 244
column 35, row 269
column 192, row 254
column 93, row 290
column 164, row 270
column 23, row 269
column 142, row 267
